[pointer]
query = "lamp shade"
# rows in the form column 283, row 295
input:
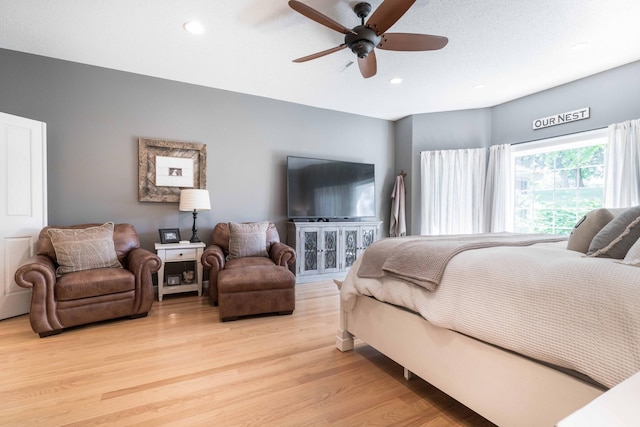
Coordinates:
column 194, row 200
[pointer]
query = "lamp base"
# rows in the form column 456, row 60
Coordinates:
column 194, row 229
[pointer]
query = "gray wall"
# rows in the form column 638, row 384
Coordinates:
column 439, row 131
column 403, row 161
column 613, row 96
column 95, row 116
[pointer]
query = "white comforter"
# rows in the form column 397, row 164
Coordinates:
column 542, row 301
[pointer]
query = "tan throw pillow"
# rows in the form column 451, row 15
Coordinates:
column 616, row 238
column 587, row 228
column 84, row 248
column 248, row 239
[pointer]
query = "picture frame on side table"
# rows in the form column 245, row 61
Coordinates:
column 173, row 279
column 169, row 235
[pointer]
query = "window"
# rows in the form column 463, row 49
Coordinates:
column 557, row 181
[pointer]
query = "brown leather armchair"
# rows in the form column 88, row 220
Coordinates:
column 250, row 285
column 88, row 296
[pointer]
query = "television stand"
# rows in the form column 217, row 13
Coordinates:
column 327, row 250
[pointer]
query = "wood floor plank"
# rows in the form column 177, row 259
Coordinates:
column 182, row 366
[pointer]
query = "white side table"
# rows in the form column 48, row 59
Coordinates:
column 179, row 252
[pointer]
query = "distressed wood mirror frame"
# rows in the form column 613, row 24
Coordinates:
column 152, row 151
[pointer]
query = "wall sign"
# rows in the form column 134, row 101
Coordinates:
column 560, row 119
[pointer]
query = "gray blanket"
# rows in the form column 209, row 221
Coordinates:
column 422, row 260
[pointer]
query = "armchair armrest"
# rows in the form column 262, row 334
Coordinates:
column 143, row 263
column 282, row 254
column 213, row 257
column 36, row 271
column 140, row 259
column 39, row 274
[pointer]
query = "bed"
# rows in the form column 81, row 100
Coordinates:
column 487, row 332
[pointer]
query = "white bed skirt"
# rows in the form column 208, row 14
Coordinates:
column 505, row 388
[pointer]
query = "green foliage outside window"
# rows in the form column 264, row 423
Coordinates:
column 554, row 189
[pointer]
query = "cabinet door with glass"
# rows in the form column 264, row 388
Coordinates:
column 355, row 240
column 320, row 250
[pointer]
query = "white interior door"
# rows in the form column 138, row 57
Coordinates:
column 23, row 206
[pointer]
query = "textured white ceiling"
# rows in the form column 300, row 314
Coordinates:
column 514, row 48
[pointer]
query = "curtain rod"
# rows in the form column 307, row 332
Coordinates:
column 560, row 136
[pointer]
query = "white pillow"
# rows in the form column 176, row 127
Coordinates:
column 633, row 255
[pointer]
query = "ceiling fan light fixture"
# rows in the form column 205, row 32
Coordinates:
column 194, row 27
column 362, row 41
column 362, row 48
column 479, row 86
column 395, row 81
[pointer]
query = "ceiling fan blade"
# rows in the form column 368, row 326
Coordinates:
column 407, row 41
column 368, row 66
column 387, row 14
column 319, row 17
column 319, row 54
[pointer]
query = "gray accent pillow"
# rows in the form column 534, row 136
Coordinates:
column 248, row 239
column 616, row 238
column 79, row 249
column 586, row 229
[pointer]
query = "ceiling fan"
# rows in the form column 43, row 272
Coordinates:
column 363, row 38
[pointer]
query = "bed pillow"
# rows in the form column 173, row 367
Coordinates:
column 633, row 256
column 586, row 229
column 79, row 249
column 616, row 238
column 248, row 239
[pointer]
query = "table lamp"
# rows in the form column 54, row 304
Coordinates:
column 194, row 200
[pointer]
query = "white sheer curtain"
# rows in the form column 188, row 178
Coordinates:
column 498, row 194
column 452, row 193
column 622, row 165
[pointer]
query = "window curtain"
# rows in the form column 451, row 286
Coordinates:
column 452, row 192
column 498, row 210
column 622, row 165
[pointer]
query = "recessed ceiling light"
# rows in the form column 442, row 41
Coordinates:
column 579, row 46
column 479, row 86
column 194, row 27
column 395, row 81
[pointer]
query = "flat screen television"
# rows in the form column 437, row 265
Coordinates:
column 329, row 189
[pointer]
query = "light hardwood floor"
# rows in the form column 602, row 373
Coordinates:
column 182, row 366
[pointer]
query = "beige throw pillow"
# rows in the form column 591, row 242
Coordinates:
column 247, row 240
column 84, row 248
column 616, row 238
column 587, row 228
